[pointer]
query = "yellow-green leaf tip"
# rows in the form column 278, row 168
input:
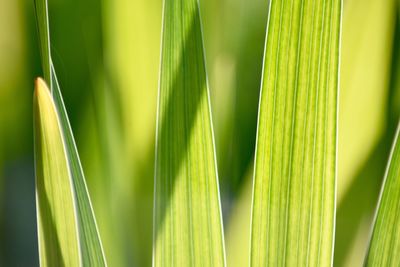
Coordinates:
column 40, row 86
column 55, row 202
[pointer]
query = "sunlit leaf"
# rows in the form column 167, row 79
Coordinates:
column 188, row 224
column 384, row 249
column 295, row 166
column 57, row 225
column 90, row 248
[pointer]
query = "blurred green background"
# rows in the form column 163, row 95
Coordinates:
column 106, row 53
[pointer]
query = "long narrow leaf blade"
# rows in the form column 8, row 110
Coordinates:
column 295, row 167
column 42, row 21
column 57, row 225
column 384, row 247
column 91, row 249
column 188, row 224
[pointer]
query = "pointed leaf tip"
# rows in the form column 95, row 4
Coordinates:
column 55, row 202
column 40, row 85
column 53, row 135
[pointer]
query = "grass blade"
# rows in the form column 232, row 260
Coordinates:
column 384, row 246
column 295, row 167
column 42, row 20
column 188, row 224
column 90, row 246
column 57, row 225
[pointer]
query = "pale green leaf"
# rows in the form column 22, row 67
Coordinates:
column 90, row 247
column 384, row 248
column 295, row 167
column 188, row 224
column 57, row 225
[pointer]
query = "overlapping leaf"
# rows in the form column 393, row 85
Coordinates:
column 295, row 166
column 188, row 224
column 57, row 225
column 90, row 248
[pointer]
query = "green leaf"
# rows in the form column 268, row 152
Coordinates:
column 295, row 167
column 57, row 225
column 384, row 247
column 90, row 247
column 90, row 243
column 42, row 21
column 188, row 223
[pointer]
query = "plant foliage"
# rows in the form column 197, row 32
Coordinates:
column 188, row 225
column 90, row 247
column 295, row 167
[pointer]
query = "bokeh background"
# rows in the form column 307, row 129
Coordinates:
column 106, row 53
